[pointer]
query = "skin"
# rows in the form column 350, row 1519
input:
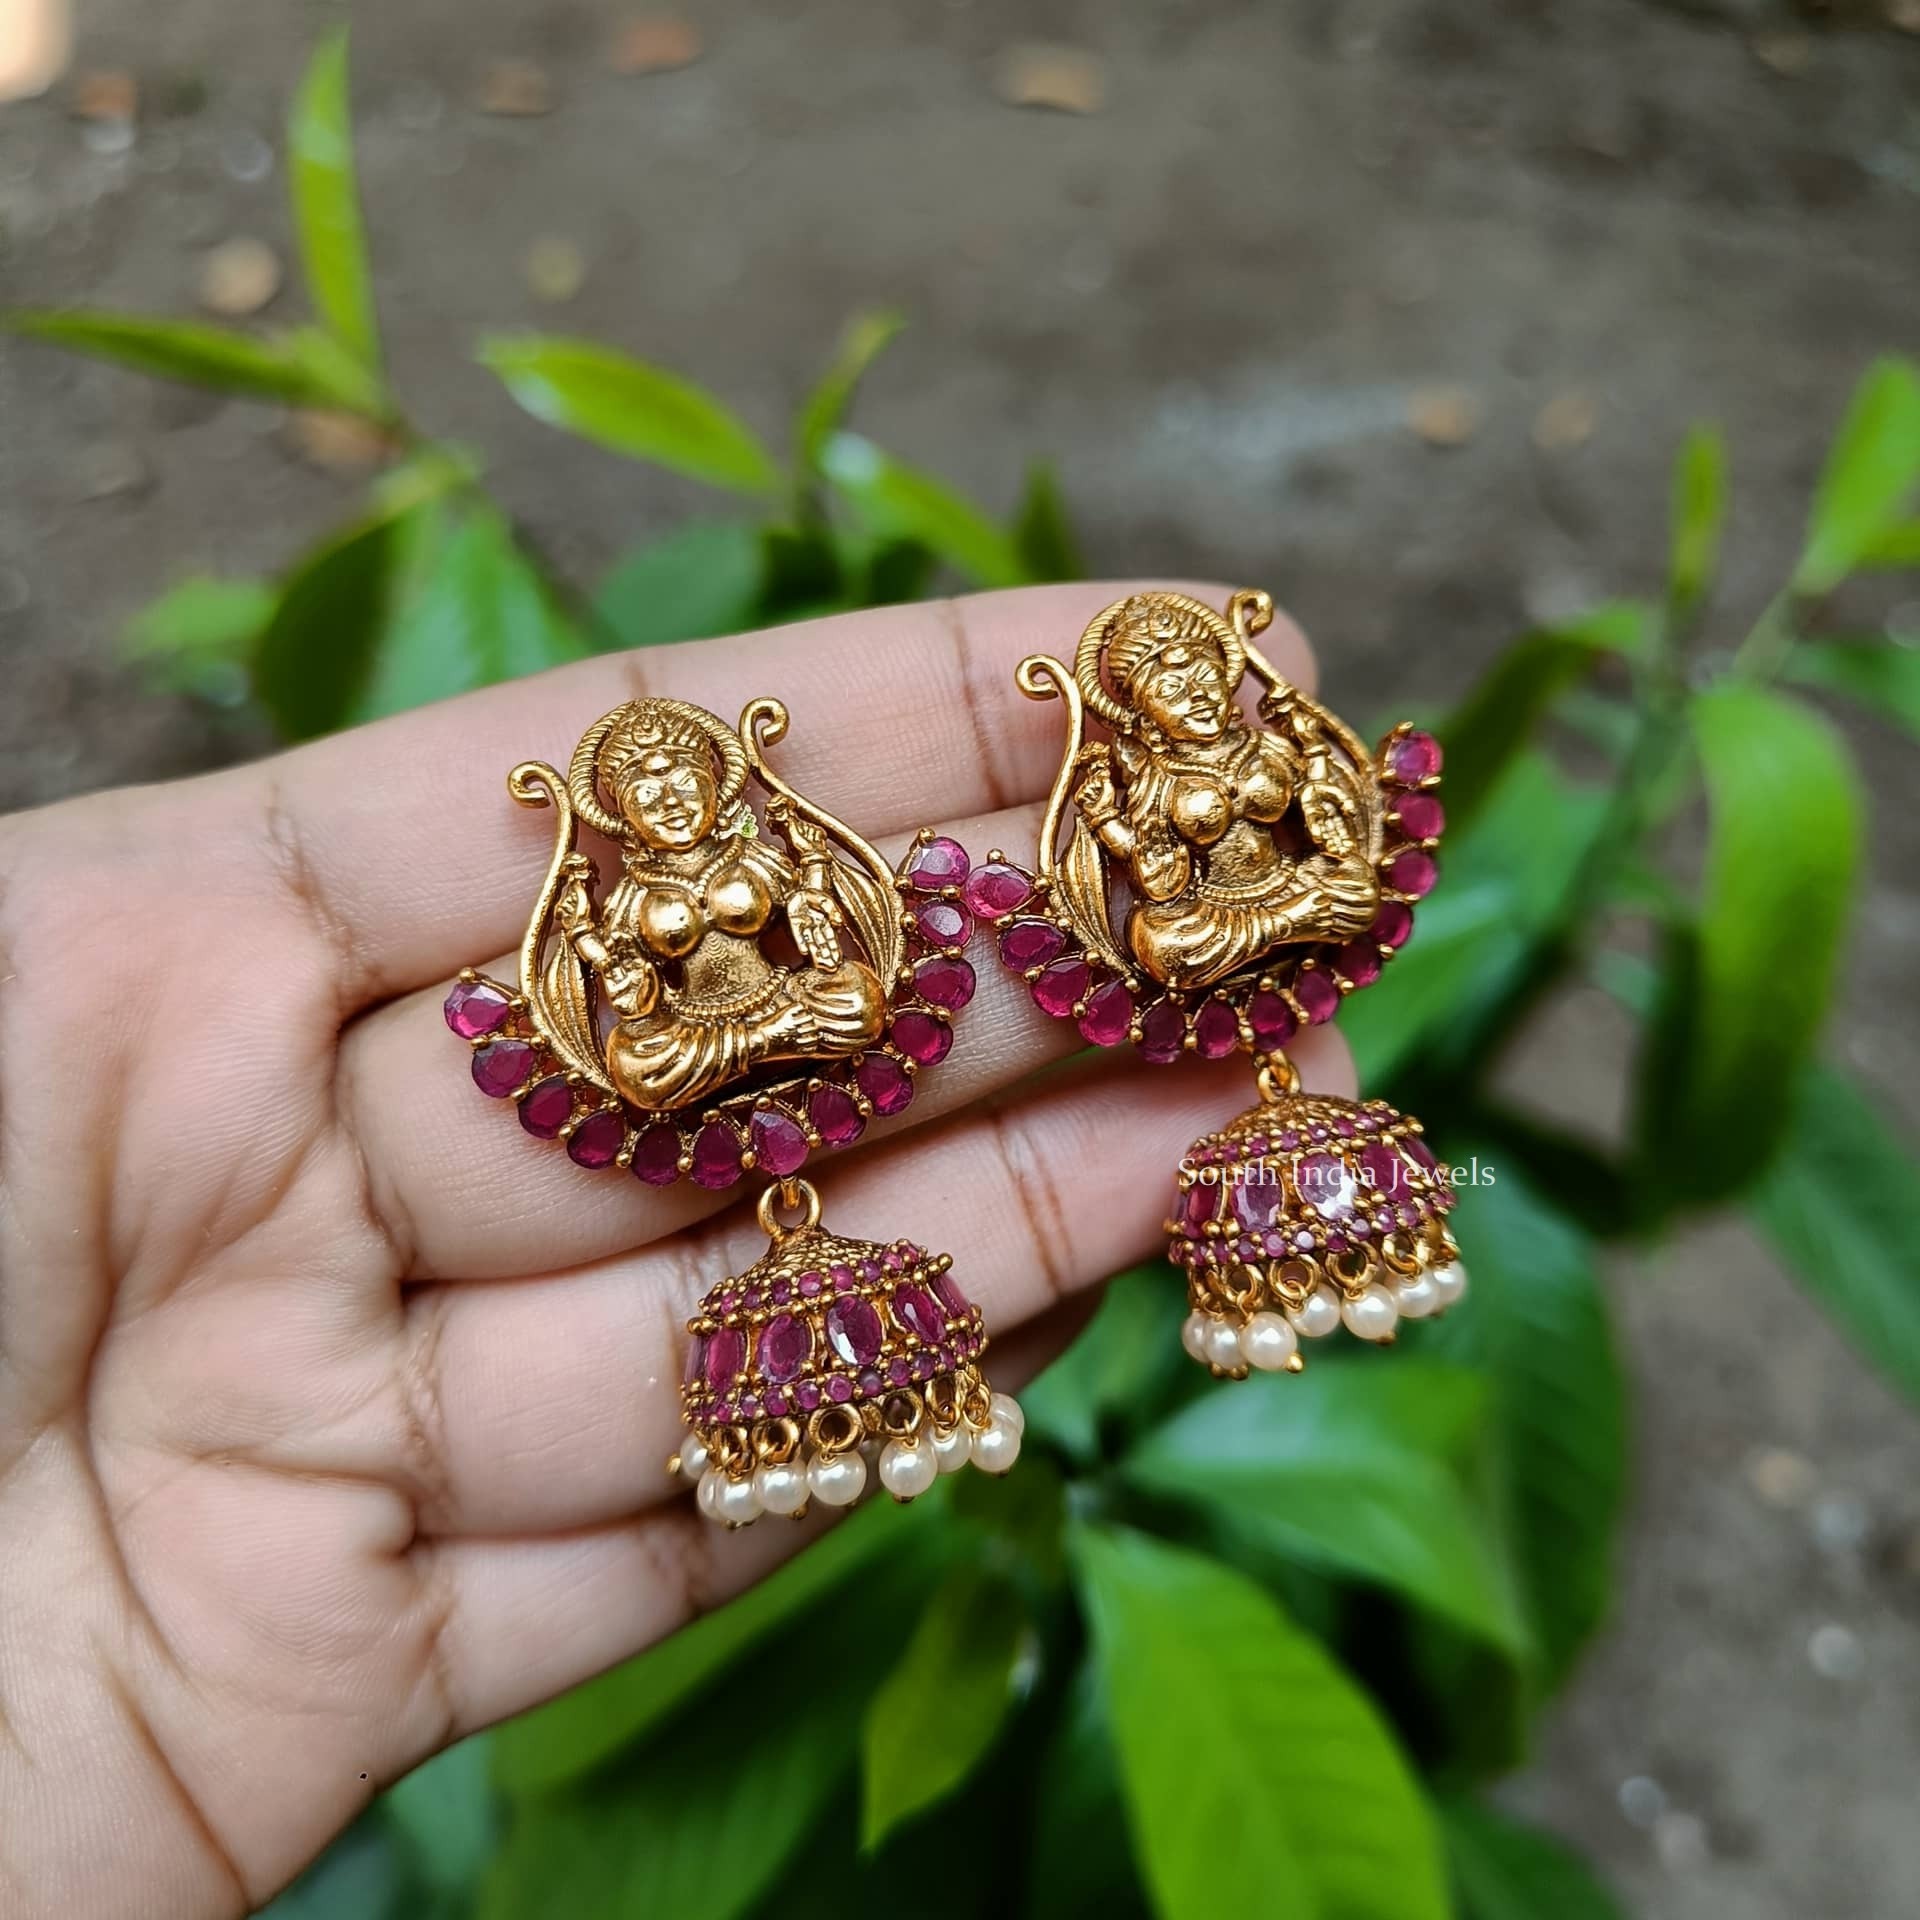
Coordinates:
column 334, row 1412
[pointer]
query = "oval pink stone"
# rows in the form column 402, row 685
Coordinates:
column 656, row 1155
column 944, row 922
column 696, row 1360
column 1421, row 816
column 1163, row 1033
column 501, row 1067
column 1031, row 943
column 545, row 1109
column 474, row 1008
column 1383, row 1171
column 939, row 863
column 1393, row 924
column 596, row 1141
column 1061, row 987
column 957, row 1304
column 786, row 1342
column 996, row 889
column 836, row 1116
column 1109, row 1016
column 1325, row 1182
column 1413, row 873
column 1272, row 1021
column 1216, row 1030
column 1414, row 757
column 914, row 1309
column 853, row 1330
column 716, row 1156
column 779, row 1142
column 1319, row 998
column 885, row 1082
column 1199, row 1204
column 1257, row 1198
column 1358, row 961
column 726, row 1355
column 1419, row 1152
column 942, row 982
column 922, row 1037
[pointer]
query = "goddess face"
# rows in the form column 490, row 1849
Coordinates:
column 1183, row 691
column 670, row 800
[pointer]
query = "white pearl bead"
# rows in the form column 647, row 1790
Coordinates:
column 953, row 1448
column 996, row 1447
column 1193, row 1336
column 693, row 1457
column 738, row 1502
column 1267, row 1342
column 782, row 1487
column 1317, row 1315
column 1417, row 1296
column 707, row 1494
column 1451, row 1283
column 837, row 1479
column 907, row 1469
column 1007, row 1408
column 1372, row 1316
column 1223, row 1346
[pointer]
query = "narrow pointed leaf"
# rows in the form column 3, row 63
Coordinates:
column 1881, row 675
column 326, row 203
column 895, row 499
column 1043, row 532
column 1871, row 474
column 184, row 350
column 1699, row 513
column 1503, row 1870
column 867, row 336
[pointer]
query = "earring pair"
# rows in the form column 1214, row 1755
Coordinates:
column 740, row 981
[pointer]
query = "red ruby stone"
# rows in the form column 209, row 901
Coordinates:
column 1326, row 1183
column 944, row 983
column 696, row 1360
column 1383, row 1170
column 1414, row 757
column 1031, row 943
column 1199, row 1204
column 853, row 1330
column 836, row 1115
column 957, row 1304
column 474, row 1008
column 1109, row 1015
column 501, row 1067
column 1393, row 924
column 545, row 1109
column 786, row 1343
column 1319, row 998
column 656, row 1155
column 1413, row 873
column 596, row 1141
column 1163, row 1033
column 939, row 863
column 922, row 1037
column 944, row 923
column 716, row 1156
column 1216, row 1030
column 1358, row 961
column 885, row 1082
column 1061, row 987
column 996, row 889
column 778, row 1140
column 914, row 1309
column 726, row 1355
column 1272, row 1021
column 1421, row 816
column 1257, row 1199
column 1419, row 1152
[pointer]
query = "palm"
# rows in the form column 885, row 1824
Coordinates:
column 333, row 1411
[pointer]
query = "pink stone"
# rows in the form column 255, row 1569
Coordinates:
column 1319, row 998
column 597, row 1140
column 1359, row 962
column 913, row 1308
column 1414, row 757
column 1163, row 1033
column 956, row 1303
column 922, row 1036
column 1272, row 1021
column 996, row 889
column 1325, row 1182
column 806, row 1396
column 1393, row 924
column 1413, row 873
column 716, row 1156
column 726, row 1355
column 786, row 1344
column 1216, row 1030
column 1031, row 943
column 898, row 1371
column 836, row 1115
column 939, row 863
column 696, row 1360
column 869, row 1384
column 1418, row 1152
column 885, row 1082
column 1257, row 1202
column 778, row 1140
column 1109, row 1015
column 1382, row 1170
column 944, row 923
column 840, row 1389
column 853, row 1330
column 1421, row 816
column 474, row 1008
column 545, row 1109
column 656, row 1155
column 944, row 983
column 1199, row 1204
column 501, row 1067
column 1061, row 987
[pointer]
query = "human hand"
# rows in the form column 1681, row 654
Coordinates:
column 816, row 919
column 334, row 1412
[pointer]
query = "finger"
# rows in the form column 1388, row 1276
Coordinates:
column 556, row 1398
column 402, row 842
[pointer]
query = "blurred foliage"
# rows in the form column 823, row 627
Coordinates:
column 1248, row 1652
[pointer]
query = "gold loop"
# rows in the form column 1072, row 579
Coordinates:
column 1401, row 1252
column 1251, row 611
column 1292, row 1281
column 1278, row 1077
column 1246, row 1295
column 901, row 1415
column 791, row 1193
column 776, row 1441
column 1350, row 1267
column 835, row 1429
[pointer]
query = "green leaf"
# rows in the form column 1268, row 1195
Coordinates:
column 900, row 501
column 1117, row 1371
column 632, row 408
column 1897, row 549
column 185, row 350
column 1377, row 1472
column 1841, row 1205
column 1699, row 514
column 800, row 570
column 958, row 1675
column 699, row 581
column 363, row 1874
column 1080, row 1864
column 1259, row 1778
column 867, row 336
column 326, row 202
column 444, row 1813
column 1879, row 674
column 1872, row 469
column 1505, row 1871
column 1746, row 997
column 196, row 637
column 1042, row 532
